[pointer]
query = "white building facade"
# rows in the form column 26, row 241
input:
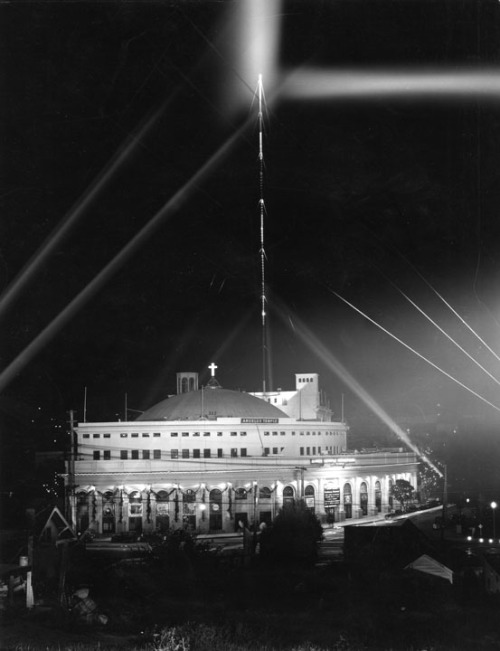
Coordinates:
column 211, row 459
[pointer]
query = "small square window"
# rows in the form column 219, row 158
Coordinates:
column 123, row 454
column 266, row 433
column 185, row 433
column 135, row 454
column 293, row 433
column 206, row 433
column 146, row 454
column 156, row 454
column 174, row 454
column 301, row 452
column 135, row 435
column 123, row 435
column 86, row 436
column 219, row 433
column 196, row 454
column 145, row 435
column 96, row 455
column 243, row 452
column 196, row 433
column 220, row 453
column 96, row 436
column 233, row 433
column 275, row 433
column 174, row 434
column 207, row 453
column 156, row 434
column 106, row 455
column 107, row 436
column 243, row 433
column 234, row 452
column 282, row 433
column 185, row 454
column 266, row 452
column 275, row 450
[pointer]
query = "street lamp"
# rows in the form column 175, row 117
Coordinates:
column 493, row 507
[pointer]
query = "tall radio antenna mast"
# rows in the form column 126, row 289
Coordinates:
column 260, row 92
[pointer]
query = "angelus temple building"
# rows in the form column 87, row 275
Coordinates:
column 211, row 458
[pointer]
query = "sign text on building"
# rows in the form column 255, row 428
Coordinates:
column 260, row 420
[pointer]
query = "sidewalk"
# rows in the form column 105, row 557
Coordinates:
column 380, row 518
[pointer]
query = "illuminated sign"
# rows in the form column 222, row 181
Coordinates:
column 331, row 497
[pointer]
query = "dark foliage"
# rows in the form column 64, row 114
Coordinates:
column 293, row 537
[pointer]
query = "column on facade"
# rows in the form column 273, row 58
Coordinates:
column 384, row 487
column 356, row 501
column 372, row 503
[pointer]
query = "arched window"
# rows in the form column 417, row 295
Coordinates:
column 240, row 494
column 363, row 498
column 189, row 509
column 215, row 518
column 378, row 497
column 162, row 511
column 189, row 496
column 264, row 493
column 162, row 496
column 184, row 385
column 108, row 512
column 82, row 511
column 288, row 496
column 135, row 512
column 348, row 501
column 309, row 497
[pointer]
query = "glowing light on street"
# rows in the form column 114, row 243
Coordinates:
column 326, row 356
column 311, row 84
column 464, row 386
column 76, row 212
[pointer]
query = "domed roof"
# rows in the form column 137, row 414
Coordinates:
column 212, row 403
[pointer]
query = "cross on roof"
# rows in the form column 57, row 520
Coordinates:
column 212, row 368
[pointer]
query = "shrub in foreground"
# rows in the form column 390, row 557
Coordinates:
column 293, row 537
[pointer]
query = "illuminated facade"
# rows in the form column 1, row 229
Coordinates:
column 210, row 459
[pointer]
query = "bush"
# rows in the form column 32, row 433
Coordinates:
column 293, row 537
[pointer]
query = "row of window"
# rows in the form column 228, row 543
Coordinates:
column 124, row 435
column 307, row 433
column 206, row 453
column 174, row 454
column 135, row 435
column 329, row 449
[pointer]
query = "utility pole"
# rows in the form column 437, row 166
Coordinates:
column 445, row 498
column 70, row 497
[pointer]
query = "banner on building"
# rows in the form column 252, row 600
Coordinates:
column 331, row 497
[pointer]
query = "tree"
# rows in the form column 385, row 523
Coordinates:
column 293, row 537
column 402, row 491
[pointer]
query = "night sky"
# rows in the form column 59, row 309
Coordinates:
column 363, row 198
